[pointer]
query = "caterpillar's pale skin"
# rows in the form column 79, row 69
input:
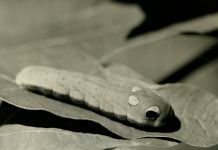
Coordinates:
column 138, row 105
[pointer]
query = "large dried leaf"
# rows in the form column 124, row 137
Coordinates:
column 198, row 125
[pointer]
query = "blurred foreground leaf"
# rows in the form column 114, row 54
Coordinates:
column 21, row 137
column 95, row 26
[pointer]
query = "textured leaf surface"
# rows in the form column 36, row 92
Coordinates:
column 198, row 111
column 189, row 104
column 57, row 33
column 74, row 60
column 31, row 101
column 13, row 137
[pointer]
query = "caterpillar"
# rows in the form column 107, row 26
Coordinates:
column 137, row 105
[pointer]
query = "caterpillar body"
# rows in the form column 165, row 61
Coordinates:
column 135, row 104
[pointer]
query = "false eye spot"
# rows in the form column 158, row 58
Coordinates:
column 135, row 89
column 152, row 112
column 133, row 100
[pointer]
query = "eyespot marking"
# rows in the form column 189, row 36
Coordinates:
column 152, row 112
column 136, row 89
column 133, row 100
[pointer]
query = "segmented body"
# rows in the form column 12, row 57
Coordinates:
column 111, row 98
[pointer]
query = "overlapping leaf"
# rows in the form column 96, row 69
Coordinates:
column 157, row 57
column 78, row 61
column 12, row 94
column 96, row 30
column 181, row 146
column 56, row 139
column 182, row 97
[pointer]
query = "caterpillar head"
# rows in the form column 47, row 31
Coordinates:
column 148, row 109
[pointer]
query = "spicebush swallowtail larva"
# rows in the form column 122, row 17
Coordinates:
column 135, row 104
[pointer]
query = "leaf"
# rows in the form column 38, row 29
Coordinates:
column 182, row 97
column 181, row 94
column 94, row 26
column 121, row 70
column 66, row 58
column 180, row 146
column 61, row 37
column 28, row 20
column 12, row 136
column 96, row 39
column 28, row 100
column 74, row 60
column 158, row 57
column 205, row 77
column 50, row 138
column 198, row 111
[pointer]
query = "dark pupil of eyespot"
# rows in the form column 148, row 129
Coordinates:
column 151, row 115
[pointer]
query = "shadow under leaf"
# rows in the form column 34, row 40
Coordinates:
column 159, row 13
